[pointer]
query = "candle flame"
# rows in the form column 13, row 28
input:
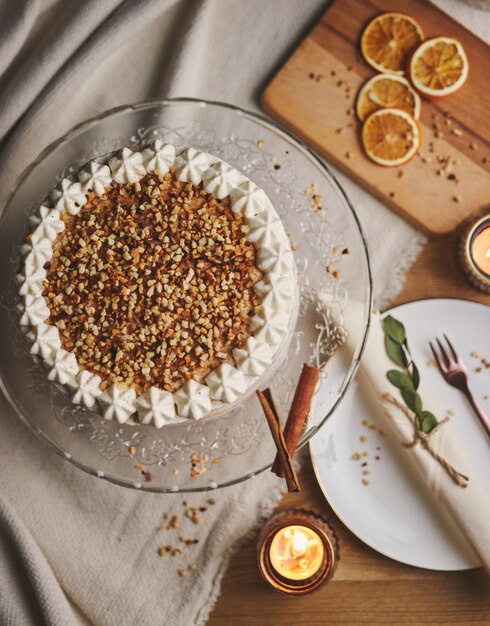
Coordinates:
column 299, row 543
column 487, row 254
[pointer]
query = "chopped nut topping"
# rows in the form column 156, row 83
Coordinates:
column 152, row 284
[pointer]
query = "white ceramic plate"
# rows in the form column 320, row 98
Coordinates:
column 393, row 513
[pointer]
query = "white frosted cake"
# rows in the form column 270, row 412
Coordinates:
column 158, row 285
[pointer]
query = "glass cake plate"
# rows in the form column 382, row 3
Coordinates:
column 331, row 258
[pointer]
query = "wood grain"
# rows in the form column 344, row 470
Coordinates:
column 321, row 112
column 368, row 588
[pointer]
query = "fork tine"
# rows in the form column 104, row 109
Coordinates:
column 440, row 366
column 445, row 357
column 453, row 351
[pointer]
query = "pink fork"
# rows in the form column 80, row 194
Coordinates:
column 455, row 373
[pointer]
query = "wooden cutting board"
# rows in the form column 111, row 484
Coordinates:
column 314, row 95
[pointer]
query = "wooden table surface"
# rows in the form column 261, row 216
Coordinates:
column 368, row 588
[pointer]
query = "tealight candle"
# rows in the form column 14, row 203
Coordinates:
column 480, row 250
column 475, row 253
column 297, row 552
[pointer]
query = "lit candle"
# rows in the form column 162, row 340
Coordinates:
column 475, row 253
column 480, row 250
column 297, row 552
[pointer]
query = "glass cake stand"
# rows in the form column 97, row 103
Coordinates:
column 331, row 258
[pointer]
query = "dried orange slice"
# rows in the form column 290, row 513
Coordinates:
column 390, row 137
column 385, row 91
column 438, row 67
column 388, row 40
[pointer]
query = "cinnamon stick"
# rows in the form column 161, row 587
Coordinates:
column 298, row 412
column 270, row 411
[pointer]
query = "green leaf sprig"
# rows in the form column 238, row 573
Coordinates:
column 407, row 380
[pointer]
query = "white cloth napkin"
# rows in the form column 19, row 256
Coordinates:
column 469, row 506
column 62, row 61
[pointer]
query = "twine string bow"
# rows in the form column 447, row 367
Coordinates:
column 424, row 439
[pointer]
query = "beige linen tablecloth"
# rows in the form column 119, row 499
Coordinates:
column 73, row 548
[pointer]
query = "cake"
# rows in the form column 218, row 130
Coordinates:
column 157, row 285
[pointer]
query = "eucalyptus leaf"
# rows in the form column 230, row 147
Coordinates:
column 399, row 379
column 395, row 352
column 394, row 329
column 428, row 421
column 412, row 400
column 418, row 423
column 415, row 376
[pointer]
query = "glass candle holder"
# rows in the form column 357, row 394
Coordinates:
column 297, row 552
column 474, row 252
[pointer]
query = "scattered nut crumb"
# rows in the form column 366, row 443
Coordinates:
column 319, row 78
column 198, row 464
column 132, row 450
column 144, row 472
column 188, row 541
column 174, row 521
column 363, row 438
column 182, row 573
column 365, row 481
